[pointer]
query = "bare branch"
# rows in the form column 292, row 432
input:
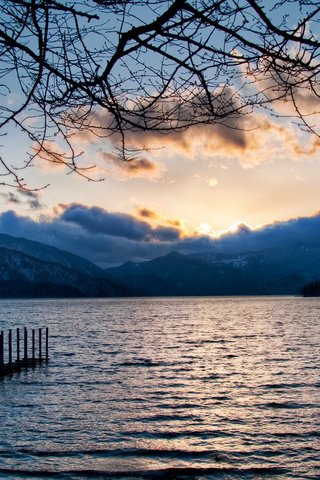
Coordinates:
column 112, row 68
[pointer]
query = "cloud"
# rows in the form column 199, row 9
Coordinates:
column 134, row 168
column 32, row 199
column 179, row 126
column 147, row 213
column 50, row 155
column 11, row 198
column 110, row 238
column 153, row 216
column 23, row 197
column 96, row 220
column 290, row 91
column 304, row 230
column 100, row 236
column 250, row 140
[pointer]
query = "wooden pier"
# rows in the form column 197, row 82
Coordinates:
column 23, row 352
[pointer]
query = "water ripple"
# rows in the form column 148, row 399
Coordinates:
column 188, row 388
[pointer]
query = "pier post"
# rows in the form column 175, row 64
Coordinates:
column 40, row 344
column 25, row 344
column 32, row 352
column 18, row 346
column 33, row 345
column 10, row 347
column 47, row 344
column 1, row 350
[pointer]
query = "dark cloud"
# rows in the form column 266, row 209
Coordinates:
column 147, row 213
column 10, row 198
column 136, row 167
column 166, row 234
column 96, row 220
column 79, row 234
column 279, row 234
column 32, row 199
column 23, row 197
column 35, row 205
column 112, row 238
column 28, row 193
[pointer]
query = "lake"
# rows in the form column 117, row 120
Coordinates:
column 168, row 388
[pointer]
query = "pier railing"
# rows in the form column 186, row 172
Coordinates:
column 23, row 351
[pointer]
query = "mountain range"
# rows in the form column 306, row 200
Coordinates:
column 268, row 272
column 33, row 269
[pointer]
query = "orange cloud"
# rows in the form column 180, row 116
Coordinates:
column 168, row 125
column 147, row 213
column 290, row 93
column 312, row 149
column 137, row 167
column 250, row 139
column 174, row 223
column 157, row 218
column 52, row 155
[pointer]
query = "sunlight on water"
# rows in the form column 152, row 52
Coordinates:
column 195, row 388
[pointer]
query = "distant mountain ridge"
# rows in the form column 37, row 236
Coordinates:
column 50, row 254
column 31, row 269
column 267, row 272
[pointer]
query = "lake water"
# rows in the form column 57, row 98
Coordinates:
column 168, row 388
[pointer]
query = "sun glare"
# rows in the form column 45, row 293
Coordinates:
column 204, row 229
column 207, row 229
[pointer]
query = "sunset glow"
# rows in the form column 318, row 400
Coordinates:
column 159, row 239
column 175, row 185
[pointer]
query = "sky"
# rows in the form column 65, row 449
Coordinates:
column 206, row 188
column 178, row 199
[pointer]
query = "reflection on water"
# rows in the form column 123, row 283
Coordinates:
column 194, row 388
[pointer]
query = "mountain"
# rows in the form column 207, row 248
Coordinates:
column 50, row 254
column 33, row 269
column 278, row 271
column 24, row 275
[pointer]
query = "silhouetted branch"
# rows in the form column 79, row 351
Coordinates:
column 124, row 66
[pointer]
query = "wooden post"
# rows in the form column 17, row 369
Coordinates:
column 18, row 346
column 8, row 363
column 40, row 344
column 25, row 344
column 33, row 345
column 10, row 347
column 1, row 350
column 47, row 344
